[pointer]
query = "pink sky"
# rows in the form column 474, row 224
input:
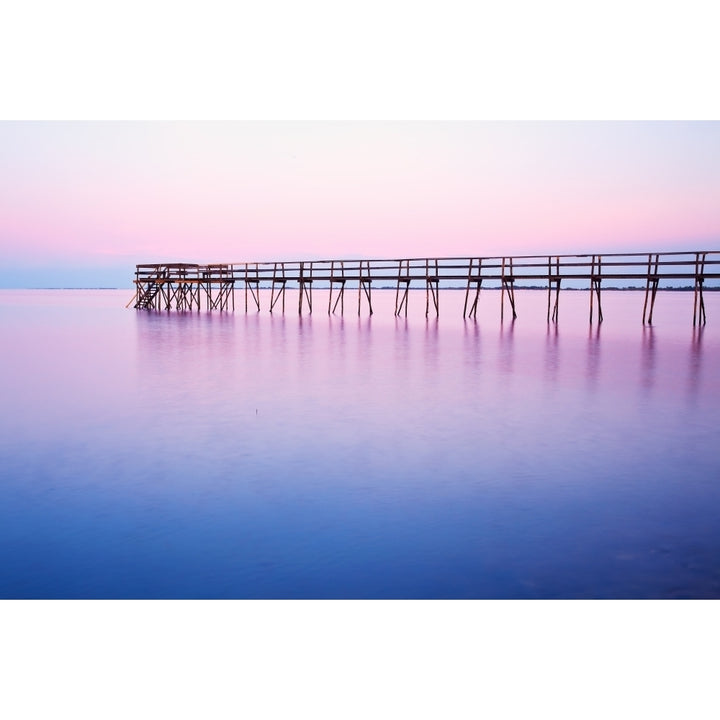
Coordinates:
column 115, row 193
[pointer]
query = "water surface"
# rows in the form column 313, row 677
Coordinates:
column 220, row 455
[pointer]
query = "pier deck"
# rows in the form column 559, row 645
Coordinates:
column 185, row 286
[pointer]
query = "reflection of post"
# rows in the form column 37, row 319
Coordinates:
column 551, row 351
column 473, row 366
column 506, row 348
column 648, row 358
column 593, row 351
column 431, row 349
column 696, row 351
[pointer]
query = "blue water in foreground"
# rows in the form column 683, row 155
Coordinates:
column 171, row 455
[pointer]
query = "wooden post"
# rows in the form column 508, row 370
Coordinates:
column 341, row 280
column 165, row 288
column 553, row 279
column 252, row 282
column 305, row 282
column 651, row 286
column 397, row 288
column 332, row 280
column 365, row 285
column 467, row 289
column 281, row 280
column 432, row 286
column 406, row 281
column 595, row 280
column 699, row 317
column 507, row 286
column 477, row 279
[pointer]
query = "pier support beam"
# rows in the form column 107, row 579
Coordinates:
column 224, row 298
column 404, row 280
column 340, row 280
column 252, row 284
column 554, row 280
column 221, row 276
column 305, row 286
column 474, row 278
column 651, row 287
column 507, row 286
column 699, row 317
column 186, row 295
column 432, row 286
column 365, row 285
column 279, row 280
column 595, row 280
column 164, row 295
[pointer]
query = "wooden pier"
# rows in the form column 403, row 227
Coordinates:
column 187, row 286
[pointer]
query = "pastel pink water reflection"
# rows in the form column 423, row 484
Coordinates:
column 233, row 455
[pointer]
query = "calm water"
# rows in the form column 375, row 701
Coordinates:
column 254, row 456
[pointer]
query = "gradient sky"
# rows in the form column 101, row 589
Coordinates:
column 82, row 200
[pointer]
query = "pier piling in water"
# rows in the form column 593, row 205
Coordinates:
column 508, row 287
column 554, row 280
column 365, row 285
column 403, row 278
column 595, row 281
column 187, row 286
column 698, row 302
column 279, row 280
column 473, row 279
column 651, row 286
column 340, row 280
column 252, row 283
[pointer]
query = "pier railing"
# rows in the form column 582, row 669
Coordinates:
column 182, row 286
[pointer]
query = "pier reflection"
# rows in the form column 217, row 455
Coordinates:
column 593, row 354
column 648, row 359
column 552, row 352
column 695, row 364
column 506, row 338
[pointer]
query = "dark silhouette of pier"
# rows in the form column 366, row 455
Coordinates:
column 187, row 286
